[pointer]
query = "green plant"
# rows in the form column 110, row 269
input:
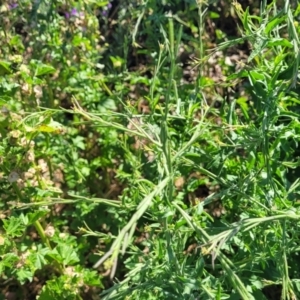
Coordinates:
column 247, row 159
column 130, row 132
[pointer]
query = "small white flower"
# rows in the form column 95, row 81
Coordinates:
column 50, row 231
column 38, row 91
column 13, row 177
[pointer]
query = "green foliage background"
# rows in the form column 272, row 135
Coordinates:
column 149, row 149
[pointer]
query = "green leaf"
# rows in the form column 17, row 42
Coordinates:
column 9, row 260
column 200, row 207
column 13, row 226
column 38, row 257
column 24, row 275
column 240, row 74
column 43, row 69
column 256, row 75
column 286, row 74
column 259, row 46
column 5, row 68
column 35, row 216
column 292, row 165
column 246, row 21
column 51, row 127
column 243, row 102
column 214, row 15
column 90, row 277
column 47, row 127
column 274, row 22
column 64, row 254
column 279, row 42
column 53, row 290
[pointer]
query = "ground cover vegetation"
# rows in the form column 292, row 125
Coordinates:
column 149, row 149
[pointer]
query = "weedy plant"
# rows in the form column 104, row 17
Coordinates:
column 43, row 60
column 183, row 191
column 246, row 151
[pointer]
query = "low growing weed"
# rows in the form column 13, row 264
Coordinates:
column 246, row 158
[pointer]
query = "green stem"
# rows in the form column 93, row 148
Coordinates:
column 50, row 103
column 39, row 228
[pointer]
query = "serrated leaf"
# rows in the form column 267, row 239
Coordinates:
column 64, row 254
column 13, row 226
column 24, row 275
column 90, row 277
column 39, row 257
column 9, row 260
